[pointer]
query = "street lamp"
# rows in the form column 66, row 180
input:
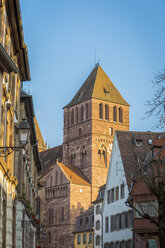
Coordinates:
column 23, row 133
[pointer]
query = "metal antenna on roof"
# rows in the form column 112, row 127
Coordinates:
column 99, row 57
column 95, row 57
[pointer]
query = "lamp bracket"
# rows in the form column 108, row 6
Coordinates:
column 7, row 150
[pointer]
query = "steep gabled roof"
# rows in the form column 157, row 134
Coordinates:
column 82, row 225
column 74, row 174
column 41, row 143
column 97, row 86
column 132, row 153
column 48, row 160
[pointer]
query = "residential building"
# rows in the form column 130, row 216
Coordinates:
column 129, row 148
column 84, row 230
column 90, row 120
column 27, row 164
column 98, row 218
column 14, row 69
column 146, row 233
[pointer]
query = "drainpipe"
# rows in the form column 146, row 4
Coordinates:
column 5, row 124
column 101, row 229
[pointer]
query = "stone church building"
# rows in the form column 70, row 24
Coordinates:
column 72, row 173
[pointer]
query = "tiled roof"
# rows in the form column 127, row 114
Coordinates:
column 74, row 174
column 48, row 159
column 97, row 86
column 130, row 152
column 82, row 225
column 100, row 196
column 41, row 144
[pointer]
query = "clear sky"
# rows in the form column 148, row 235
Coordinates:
column 62, row 38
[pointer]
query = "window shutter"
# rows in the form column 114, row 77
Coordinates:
column 119, row 221
column 111, row 223
column 125, row 220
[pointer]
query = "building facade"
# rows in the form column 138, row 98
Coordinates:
column 18, row 167
column 146, row 233
column 27, row 165
column 90, row 121
column 14, row 69
column 84, row 230
column 128, row 149
column 98, row 217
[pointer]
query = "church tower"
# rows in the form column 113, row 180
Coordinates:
column 90, row 121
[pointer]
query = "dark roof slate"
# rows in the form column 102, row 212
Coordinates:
column 85, row 226
column 130, row 153
column 97, row 86
column 48, row 159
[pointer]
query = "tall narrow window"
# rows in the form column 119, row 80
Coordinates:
column 49, row 237
column 72, row 117
column 56, row 177
column 78, row 239
column 51, row 181
column 82, row 113
column 107, row 112
column 122, row 191
column 76, row 115
column 62, row 214
column 101, row 111
column 106, row 224
column 83, row 157
column 121, row 115
column 86, row 111
column 61, row 177
column 73, row 158
column 115, row 113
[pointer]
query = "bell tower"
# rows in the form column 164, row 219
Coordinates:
column 90, row 121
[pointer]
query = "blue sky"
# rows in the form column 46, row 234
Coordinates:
column 63, row 37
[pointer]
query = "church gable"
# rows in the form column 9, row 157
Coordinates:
column 57, row 177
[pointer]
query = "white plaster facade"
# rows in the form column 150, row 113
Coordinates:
column 116, row 177
column 97, row 232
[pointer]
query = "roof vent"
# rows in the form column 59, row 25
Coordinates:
column 138, row 142
column 150, row 142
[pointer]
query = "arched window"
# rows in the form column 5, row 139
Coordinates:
column 76, row 115
column 107, row 112
column 49, row 237
column 82, row 113
column 98, row 240
column 101, row 111
column 72, row 157
column 78, row 239
column 115, row 113
column 86, row 111
column 56, row 177
column 72, row 117
column 97, row 225
column 102, row 152
column 84, row 238
column 83, row 157
column 120, row 115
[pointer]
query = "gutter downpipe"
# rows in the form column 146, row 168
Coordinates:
column 101, row 229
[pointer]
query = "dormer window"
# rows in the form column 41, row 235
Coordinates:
column 138, row 142
column 106, row 92
column 150, row 142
